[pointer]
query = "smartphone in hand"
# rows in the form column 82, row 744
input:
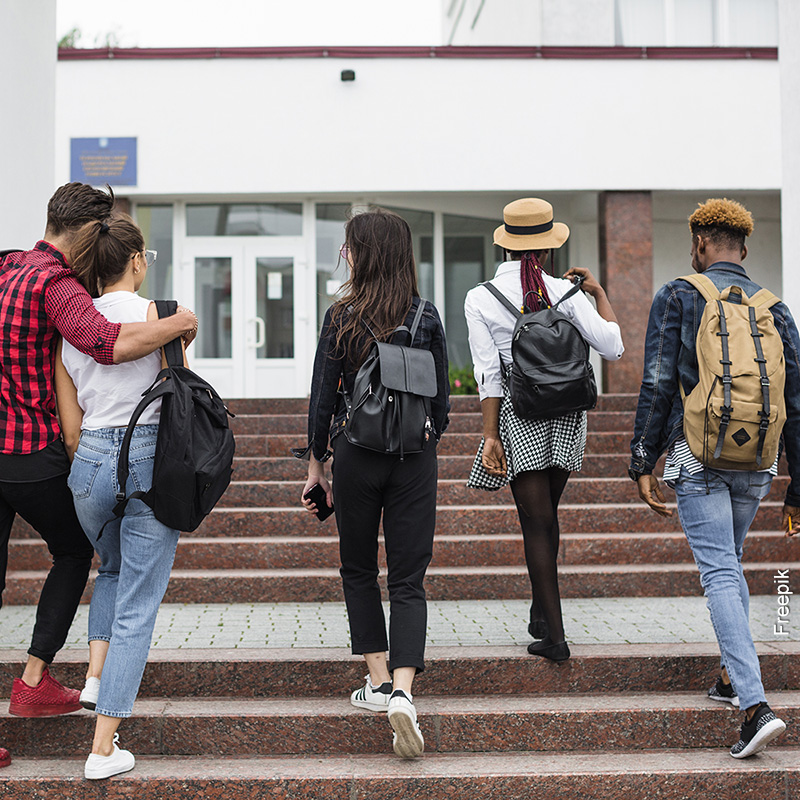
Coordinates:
column 316, row 494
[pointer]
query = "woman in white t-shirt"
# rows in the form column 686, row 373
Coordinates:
column 534, row 456
column 95, row 403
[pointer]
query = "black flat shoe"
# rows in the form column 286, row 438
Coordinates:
column 555, row 652
column 538, row 629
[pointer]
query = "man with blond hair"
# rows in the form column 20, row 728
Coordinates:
column 717, row 505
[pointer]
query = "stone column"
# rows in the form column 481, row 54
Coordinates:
column 789, row 59
column 625, row 222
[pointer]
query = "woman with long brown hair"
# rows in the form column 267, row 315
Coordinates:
column 534, row 456
column 380, row 295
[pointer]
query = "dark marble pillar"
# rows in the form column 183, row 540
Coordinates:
column 625, row 221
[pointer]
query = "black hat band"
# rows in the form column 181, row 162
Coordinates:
column 528, row 230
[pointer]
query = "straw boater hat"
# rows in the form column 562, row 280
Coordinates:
column 528, row 225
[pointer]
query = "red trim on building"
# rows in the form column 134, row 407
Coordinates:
column 669, row 53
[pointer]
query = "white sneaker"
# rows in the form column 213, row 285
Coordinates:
column 375, row 698
column 89, row 693
column 98, row 766
column 407, row 741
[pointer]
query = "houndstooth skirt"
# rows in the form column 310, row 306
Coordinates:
column 532, row 445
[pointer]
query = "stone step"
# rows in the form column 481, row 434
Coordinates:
column 333, row 672
column 579, row 489
column 261, row 468
column 459, row 404
column 501, row 549
column 460, row 520
column 441, row 583
column 297, row 424
column 325, row 726
column 255, row 468
column 672, row 774
column 451, row 444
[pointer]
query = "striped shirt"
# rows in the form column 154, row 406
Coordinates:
column 680, row 455
column 40, row 297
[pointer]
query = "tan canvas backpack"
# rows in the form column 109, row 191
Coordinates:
column 733, row 418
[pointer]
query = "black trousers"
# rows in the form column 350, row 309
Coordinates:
column 47, row 507
column 366, row 484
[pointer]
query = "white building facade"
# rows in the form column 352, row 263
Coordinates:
column 249, row 161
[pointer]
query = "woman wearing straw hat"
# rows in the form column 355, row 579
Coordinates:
column 534, row 456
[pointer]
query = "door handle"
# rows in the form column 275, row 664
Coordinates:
column 261, row 332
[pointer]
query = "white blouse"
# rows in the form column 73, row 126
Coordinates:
column 491, row 324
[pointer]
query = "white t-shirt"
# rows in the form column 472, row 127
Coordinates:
column 108, row 394
column 491, row 324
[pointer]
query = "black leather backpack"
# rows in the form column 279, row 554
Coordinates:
column 390, row 408
column 194, row 448
column 550, row 373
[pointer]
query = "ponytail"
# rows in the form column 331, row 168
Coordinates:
column 534, row 291
column 101, row 251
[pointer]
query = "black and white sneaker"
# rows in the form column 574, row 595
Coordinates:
column 758, row 732
column 724, row 692
column 407, row 741
column 375, row 698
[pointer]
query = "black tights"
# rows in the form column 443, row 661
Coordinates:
column 537, row 494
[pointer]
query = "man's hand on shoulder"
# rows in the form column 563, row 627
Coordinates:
column 650, row 492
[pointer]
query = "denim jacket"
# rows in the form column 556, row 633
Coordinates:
column 670, row 357
column 327, row 400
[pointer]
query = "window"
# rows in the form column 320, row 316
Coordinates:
column 696, row 23
column 245, row 219
column 156, row 225
column 469, row 258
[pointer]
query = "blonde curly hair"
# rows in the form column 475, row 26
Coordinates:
column 722, row 213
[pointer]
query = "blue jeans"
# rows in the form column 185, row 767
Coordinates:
column 136, row 555
column 715, row 519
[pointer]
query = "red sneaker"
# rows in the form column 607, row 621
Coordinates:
column 48, row 699
column 5, row 757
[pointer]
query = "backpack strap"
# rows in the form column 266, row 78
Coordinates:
column 569, row 294
column 764, row 297
column 417, row 320
column 173, row 352
column 762, row 368
column 157, row 390
column 502, row 298
column 704, row 285
column 727, row 379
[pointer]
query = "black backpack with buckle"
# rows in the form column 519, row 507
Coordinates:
column 389, row 410
column 550, row 372
column 194, row 448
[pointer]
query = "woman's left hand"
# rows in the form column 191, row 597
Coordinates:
column 590, row 284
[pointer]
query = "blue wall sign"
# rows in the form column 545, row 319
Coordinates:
column 104, row 160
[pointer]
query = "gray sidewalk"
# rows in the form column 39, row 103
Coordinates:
column 450, row 623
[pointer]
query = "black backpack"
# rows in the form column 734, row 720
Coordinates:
column 194, row 448
column 550, row 373
column 390, row 408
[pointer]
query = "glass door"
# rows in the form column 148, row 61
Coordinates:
column 279, row 311
column 252, row 314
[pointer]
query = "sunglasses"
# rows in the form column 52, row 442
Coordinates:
column 150, row 257
column 344, row 251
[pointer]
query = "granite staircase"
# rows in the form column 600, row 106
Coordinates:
column 615, row 721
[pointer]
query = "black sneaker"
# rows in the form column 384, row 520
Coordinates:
column 724, row 692
column 758, row 732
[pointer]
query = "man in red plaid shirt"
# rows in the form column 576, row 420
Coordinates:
column 40, row 299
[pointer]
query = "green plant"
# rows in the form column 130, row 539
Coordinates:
column 462, row 381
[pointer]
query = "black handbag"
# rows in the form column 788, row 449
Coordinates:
column 550, row 372
column 389, row 410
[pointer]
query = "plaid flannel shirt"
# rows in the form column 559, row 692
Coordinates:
column 40, row 298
